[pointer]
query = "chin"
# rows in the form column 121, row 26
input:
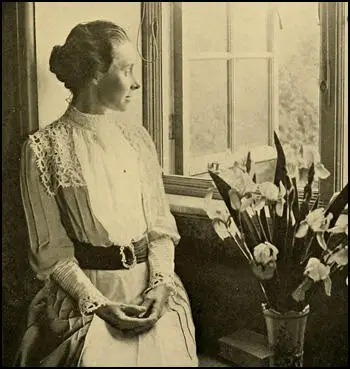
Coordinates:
column 119, row 107
column 122, row 108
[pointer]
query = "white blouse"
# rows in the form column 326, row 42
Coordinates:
column 111, row 171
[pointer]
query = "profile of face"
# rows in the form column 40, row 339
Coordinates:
column 116, row 87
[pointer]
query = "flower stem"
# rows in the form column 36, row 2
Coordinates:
column 262, row 228
column 247, row 255
column 264, row 292
column 307, row 250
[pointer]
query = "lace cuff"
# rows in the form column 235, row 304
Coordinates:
column 76, row 283
column 87, row 305
column 161, row 263
column 159, row 278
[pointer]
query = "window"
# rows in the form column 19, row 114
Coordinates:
column 216, row 57
column 223, row 62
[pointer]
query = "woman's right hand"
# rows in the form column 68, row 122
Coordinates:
column 125, row 317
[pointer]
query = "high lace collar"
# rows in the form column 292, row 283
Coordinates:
column 93, row 122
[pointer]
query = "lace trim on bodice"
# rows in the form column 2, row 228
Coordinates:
column 55, row 157
column 59, row 166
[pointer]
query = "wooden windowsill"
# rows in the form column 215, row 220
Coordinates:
column 187, row 205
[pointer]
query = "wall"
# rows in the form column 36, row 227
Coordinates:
column 18, row 283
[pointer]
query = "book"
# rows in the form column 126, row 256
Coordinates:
column 245, row 348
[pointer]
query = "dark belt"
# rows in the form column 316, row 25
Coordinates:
column 110, row 258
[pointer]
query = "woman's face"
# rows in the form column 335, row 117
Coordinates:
column 116, row 87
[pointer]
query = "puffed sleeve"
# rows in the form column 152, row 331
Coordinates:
column 49, row 242
column 51, row 253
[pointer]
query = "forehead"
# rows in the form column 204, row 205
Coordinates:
column 124, row 54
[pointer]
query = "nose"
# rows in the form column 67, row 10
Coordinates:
column 135, row 85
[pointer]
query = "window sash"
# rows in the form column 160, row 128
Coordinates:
column 332, row 88
column 185, row 163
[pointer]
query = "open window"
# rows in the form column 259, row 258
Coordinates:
column 226, row 81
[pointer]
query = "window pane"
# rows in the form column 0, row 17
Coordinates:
column 249, row 27
column 208, row 106
column 251, row 102
column 64, row 16
column 299, row 70
column 206, row 26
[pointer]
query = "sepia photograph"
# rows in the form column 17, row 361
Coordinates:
column 175, row 184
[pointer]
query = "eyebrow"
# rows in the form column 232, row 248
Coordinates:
column 124, row 64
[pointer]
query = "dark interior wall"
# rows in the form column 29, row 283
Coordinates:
column 18, row 285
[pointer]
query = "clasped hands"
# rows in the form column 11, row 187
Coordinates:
column 135, row 319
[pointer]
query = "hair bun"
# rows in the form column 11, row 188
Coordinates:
column 55, row 58
column 87, row 49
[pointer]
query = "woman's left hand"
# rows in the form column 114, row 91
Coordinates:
column 154, row 301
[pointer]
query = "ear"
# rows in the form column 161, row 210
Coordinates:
column 96, row 80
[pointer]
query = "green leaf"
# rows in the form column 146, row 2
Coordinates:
column 224, row 188
column 281, row 168
column 280, row 227
column 295, row 204
column 315, row 205
column 265, row 224
column 337, row 205
column 249, row 163
column 249, row 229
column 251, row 233
column 311, row 174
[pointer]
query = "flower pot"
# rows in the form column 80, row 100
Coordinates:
column 285, row 334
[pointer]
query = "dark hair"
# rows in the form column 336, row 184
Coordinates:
column 88, row 49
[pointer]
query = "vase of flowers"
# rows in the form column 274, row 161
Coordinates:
column 291, row 246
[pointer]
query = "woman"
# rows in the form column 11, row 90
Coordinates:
column 101, row 233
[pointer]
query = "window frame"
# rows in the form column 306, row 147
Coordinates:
column 27, row 75
column 331, row 101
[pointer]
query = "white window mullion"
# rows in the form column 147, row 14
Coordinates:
column 230, row 74
column 168, row 89
column 181, row 86
column 186, row 117
column 273, row 73
column 186, row 106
